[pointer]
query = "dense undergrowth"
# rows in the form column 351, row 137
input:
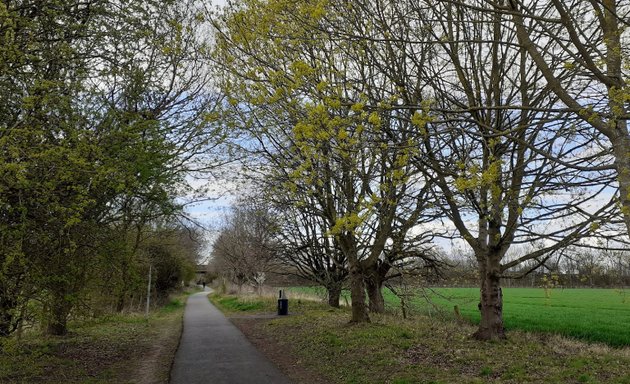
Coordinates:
column 121, row 348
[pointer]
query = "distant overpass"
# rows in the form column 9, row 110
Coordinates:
column 200, row 272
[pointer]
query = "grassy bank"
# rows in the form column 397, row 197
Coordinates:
column 115, row 349
column 599, row 315
column 419, row 350
column 234, row 305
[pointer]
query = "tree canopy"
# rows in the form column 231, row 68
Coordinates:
column 105, row 111
column 374, row 117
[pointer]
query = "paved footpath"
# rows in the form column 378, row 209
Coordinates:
column 213, row 351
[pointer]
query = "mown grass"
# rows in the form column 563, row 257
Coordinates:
column 432, row 350
column 598, row 315
column 110, row 349
column 234, row 305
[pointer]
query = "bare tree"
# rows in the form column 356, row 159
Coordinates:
column 245, row 249
column 590, row 40
column 324, row 121
column 492, row 150
column 310, row 251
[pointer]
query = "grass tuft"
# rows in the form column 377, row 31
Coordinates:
column 172, row 306
column 236, row 304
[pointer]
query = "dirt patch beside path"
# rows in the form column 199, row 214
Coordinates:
column 154, row 363
column 281, row 355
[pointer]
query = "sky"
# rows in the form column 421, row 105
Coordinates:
column 211, row 210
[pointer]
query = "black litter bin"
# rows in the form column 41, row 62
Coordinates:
column 283, row 304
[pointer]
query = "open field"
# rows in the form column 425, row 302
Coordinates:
column 124, row 348
column 600, row 315
column 315, row 344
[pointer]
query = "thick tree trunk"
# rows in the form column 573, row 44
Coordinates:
column 122, row 294
column 491, row 307
column 621, row 146
column 11, row 297
column 375, row 294
column 8, row 322
column 374, row 276
column 334, row 293
column 58, row 320
column 5, row 326
column 120, row 304
column 357, row 293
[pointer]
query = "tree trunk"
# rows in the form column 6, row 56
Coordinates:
column 122, row 294
column 491, row 307
column 58, row 320
column 11, row 297
column 617, row 92
column 334, row 293
column 120, row 304
column 621, row 150
column 7, row 320
column 375, row 294
column 374, row 276
column 357, row 293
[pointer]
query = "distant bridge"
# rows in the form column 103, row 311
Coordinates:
column 200, row 272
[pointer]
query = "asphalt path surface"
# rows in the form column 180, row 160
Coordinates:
column 213, row 351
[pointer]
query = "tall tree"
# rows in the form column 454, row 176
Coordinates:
column 105, row 114
column 324, row 120
column 308, row 249
column 493, row 151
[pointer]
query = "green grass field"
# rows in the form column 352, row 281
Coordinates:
column 601, row 315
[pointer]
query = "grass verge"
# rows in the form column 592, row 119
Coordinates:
column 249, row 304
column 598, row 315
column 420, row 350
column 114, row 349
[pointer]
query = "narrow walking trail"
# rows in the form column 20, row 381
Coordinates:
column 213, row 351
